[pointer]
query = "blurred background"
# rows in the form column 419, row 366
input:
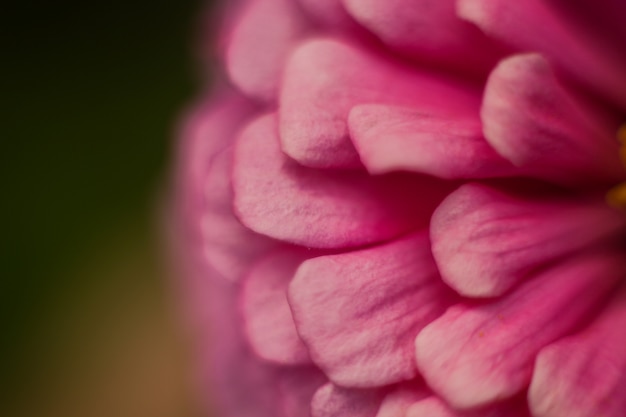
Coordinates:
column 91, row 98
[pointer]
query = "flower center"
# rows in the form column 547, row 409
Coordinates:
column 617, row 196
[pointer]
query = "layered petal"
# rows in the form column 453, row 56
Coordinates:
column 389, row 138
column 316, row 208
column 296, row 387
column 486, row 240
column 478, row 353
column 359, row 312
column 334, row 401
column 584, row 58
column 584, row 375
column 435, row 407
column 229, row 247
column 426, row 29
column 325, row 78
column 266, row 31
column 397, row 402
column 532, row 120
column 268, row 322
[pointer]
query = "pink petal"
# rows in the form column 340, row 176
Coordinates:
column 585, row 375
column 268, row 322
column 327, row 12
column 230, row 248
column 426, row 29
column 318, row 208
column 435, row 407
column 265, row 32
column 392, row 138
column 324, row 79
column 296, row 388
column 533, row 121
column 486, row 240
column 398, row 401
column 359, row 312
column 587, row 60
column 334, row 401
column 477, row 354
column 241, row 384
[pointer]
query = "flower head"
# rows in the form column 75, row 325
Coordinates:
column 411, row 208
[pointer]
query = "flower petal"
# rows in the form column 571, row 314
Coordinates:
column 587, row 60
column 325, row 78
column 265, row 32
column 229, row 247
column 477, row 354
column 584, row 375
column 296, row 387
column 327, row 12
column 435, row 407
column 391, row 138
column 319, row 208
column 426, row 29
column 334, row 401
column 268, row 322
column 398, row 401
column 530, row 119
column 486, row 240
column 359, row 312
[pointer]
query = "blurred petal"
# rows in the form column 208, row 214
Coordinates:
column 486, row 240
column 259, row 43
column 477, row 354
column 398, row 401
column 533, row 121
column 359, row 312
column 296, row 388
column 426, row 29
column 435, row 407
column 325, row 78
column 229, row 247
column 268, row 322
column 585, row 375
column 583, row 58
column 319, row 208
column 334, row 401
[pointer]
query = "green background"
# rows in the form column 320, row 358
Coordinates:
column 92, row 92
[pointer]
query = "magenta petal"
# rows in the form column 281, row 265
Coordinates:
column 486, row 240
column 318, row 208
column 587, row 60
column 477, row 354
column 268, row 322
column 259, row 43
column 426, row 29
column 435, row 407
column 585, row 375
column 359, row 312
column 296, row 387
column 398, row 401
column 392, row 138
column 229, row 247
column 328, row 12
column 533, row 121
column 334, row 401
column 325, row 78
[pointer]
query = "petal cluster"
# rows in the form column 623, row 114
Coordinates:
column 394, row 208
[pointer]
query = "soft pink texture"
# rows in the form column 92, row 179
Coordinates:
column 399, row 293
column 325, row 78
column 486, row 240
column 268, row 322
column 279, row 198
column 395, row 208
column 585, row 374
column 476, row 354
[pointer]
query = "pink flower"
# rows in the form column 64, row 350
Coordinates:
column 399, row 208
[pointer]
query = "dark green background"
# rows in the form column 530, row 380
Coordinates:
column 91, row 96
